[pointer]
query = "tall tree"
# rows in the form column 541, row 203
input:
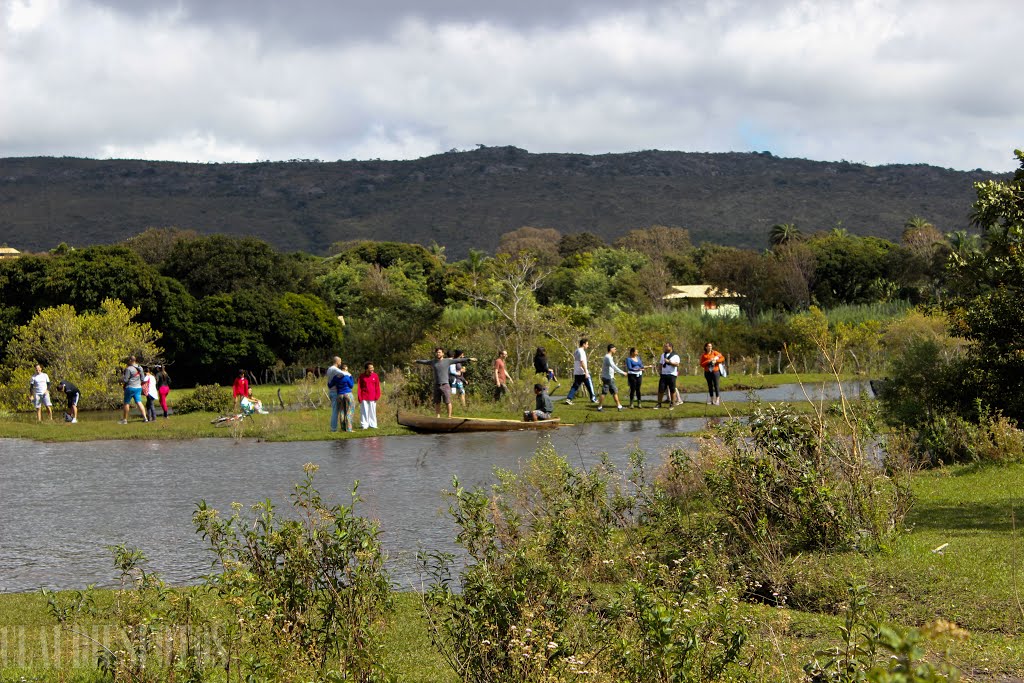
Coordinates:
column 541, row 243
column 988, row 306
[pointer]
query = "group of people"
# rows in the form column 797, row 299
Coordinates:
column 449, row 378
column 667, row 367
column 340, row 386
column 345, row 391
column 153, row 382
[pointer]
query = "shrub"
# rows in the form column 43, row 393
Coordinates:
column 307, row 594
column 792, row 483
column 948, row 438
column 536, row 600
column 206, row 398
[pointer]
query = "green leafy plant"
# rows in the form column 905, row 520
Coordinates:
column 872, row 653
column 563, row 583
column 307, row 593
column 161, row 633
column 206, row 398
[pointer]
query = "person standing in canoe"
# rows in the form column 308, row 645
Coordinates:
column 442, row 378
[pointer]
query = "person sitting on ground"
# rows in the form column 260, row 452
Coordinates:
column 543, row 407
column 250, row 405
column 72, row 394
column 442, row 378
column 39, row 393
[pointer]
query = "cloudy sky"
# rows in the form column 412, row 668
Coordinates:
column 872, row 81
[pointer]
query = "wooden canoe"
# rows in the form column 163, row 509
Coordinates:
column 429, row 424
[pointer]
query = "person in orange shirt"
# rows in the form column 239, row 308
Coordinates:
column 711, row 361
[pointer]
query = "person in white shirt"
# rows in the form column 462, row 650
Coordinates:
column 149, row 390
column 669, row 368
column 39, row 393
column 581, row 374
column 608, row 370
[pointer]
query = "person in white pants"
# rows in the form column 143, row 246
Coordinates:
column 368, row 386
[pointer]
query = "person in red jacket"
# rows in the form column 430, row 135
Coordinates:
column 240, row 389
column 369, row 392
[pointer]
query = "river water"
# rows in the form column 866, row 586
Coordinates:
column 61, row 505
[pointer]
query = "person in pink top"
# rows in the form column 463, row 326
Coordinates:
column 368, row 386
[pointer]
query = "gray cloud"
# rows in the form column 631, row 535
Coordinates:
column 921, row 82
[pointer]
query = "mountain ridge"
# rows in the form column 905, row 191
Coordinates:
column 464, row 200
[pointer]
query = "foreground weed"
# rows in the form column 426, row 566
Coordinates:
column 307, row 594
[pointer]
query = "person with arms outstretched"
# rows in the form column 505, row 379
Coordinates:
column 442, row 378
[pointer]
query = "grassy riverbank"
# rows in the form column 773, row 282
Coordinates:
column 297, row 423
column 975, row 580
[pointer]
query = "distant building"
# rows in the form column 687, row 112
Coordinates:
column 9, row 252
column 707, row 299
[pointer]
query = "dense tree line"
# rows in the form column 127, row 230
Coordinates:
column 222, row 302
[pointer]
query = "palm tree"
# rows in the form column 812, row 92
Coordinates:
column 917, row 223
column 784, row 233
column 839, row 233
column 963, row 244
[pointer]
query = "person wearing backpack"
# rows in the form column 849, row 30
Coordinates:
column 132, row 381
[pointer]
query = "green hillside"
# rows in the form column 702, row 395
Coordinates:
column 468, row 199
